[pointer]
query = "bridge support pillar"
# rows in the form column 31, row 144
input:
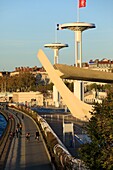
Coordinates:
column 79, row 90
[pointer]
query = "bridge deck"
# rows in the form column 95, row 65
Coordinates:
column 28, row 154
column 75, row 73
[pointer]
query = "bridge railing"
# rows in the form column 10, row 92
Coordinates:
column 58, row 150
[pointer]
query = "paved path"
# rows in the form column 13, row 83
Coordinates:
column 28, row 155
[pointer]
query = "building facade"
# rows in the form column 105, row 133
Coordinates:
column 101, row 65
column 29, row 98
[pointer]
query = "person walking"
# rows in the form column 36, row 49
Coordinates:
column 20, row 129
column 28, row 136
column 17, row 130
column 22, row 116
column 11, row 135
column 37, row 135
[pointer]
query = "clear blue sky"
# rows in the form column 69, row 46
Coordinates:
column 26, row 25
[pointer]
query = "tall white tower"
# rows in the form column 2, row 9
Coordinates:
column 56, row 47
column 78, row 28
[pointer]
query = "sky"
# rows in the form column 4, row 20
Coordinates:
column 26, row 25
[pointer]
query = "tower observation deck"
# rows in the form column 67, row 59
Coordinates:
column 56, row 47
column 78, row 28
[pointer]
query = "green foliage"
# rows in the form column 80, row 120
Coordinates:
column 24, row 82
column 98, row 154
column 99, row 87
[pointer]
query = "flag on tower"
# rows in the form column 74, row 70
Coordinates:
column 82, row 3
column 59, row 27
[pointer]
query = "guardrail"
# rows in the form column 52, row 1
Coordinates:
column 5, row 142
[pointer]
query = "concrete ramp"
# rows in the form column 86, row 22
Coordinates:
column 75, row 73
column 77, row 108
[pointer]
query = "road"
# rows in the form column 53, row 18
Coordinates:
column 28, row 155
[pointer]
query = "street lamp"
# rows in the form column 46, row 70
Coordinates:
column 68, row 127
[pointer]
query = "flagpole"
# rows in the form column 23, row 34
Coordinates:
column 78, row 12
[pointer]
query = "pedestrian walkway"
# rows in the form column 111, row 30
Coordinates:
column 30, row 154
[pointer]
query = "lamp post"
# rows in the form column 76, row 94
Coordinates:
column 68, row 128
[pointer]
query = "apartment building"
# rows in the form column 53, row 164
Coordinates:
column 101, row 65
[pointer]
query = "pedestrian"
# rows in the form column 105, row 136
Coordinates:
column 20, row 129
column 18, row 125
column 17, row 132
column 22, row 116
column 37, row 135
column 11, row 135
column 28, row 136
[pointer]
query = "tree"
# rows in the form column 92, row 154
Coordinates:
column 26, row 80
column 12, row 84
column 98, row 154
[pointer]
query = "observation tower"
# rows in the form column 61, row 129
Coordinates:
column 78, row 28
column 56, row 47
